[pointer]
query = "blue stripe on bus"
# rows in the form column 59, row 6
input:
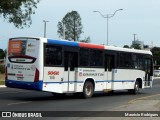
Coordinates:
column 63, row 42
column 38, row 85
column 116, row 81
column 62, row 82
column 24, row 85
column 95, row 81
column 123, row 80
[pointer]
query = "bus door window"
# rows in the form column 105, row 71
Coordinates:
column 148, row 68
column 66, row 59
column 70, row 61
column 109, row 62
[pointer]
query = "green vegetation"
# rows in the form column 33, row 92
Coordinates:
column 70, row 27
column 18, row 12
column 2, row 77
column 2, row 69
column 135, row 46
column 2, row 54
column 156, row 55
column 2, row 74
column 2, row 82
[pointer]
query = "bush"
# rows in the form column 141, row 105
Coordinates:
column 2, row 69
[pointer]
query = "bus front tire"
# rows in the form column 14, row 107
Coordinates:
column 136, row 88
column 88, row 89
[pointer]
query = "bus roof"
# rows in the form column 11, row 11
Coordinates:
column 97, row 46
column 85, row 45
column 128, row 50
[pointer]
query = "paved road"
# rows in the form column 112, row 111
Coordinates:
column 24, row 100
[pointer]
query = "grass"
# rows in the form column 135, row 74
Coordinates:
column 2, row 77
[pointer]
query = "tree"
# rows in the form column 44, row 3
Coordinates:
column 18, row 12
column 5, row 53
column 156, row 54
column 86, row 40
column 136, row 46
column 125, row 46
column 2, row 54
column 70, row 26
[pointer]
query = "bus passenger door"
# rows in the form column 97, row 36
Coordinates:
column 70, row 66
column 109, row 66
column 148, row 72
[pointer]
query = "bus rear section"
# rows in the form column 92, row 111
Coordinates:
column 22, row 66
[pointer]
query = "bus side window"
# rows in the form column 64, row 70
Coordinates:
column 125, row 60
column 96, row 58
column 53, row 55
column 137, row 61
column 84, row 57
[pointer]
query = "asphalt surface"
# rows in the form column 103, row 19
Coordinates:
column 25, row 100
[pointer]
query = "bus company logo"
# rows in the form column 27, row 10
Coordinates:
column 53, row 72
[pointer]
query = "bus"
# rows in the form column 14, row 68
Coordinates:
column 61, row 67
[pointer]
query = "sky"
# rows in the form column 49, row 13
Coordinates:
column 140, row 17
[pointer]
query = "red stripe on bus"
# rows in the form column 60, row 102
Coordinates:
column 36, row 78
column 87, row 45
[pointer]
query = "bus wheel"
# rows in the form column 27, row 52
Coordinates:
column 88, row 89
column 136, row 88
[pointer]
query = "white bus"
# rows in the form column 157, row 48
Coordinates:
column 61, row 66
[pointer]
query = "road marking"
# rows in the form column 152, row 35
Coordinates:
column 141, row 98
column 19, row 103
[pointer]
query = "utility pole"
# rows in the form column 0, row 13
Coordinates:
column 107, row 16
column 134, row 38
column 45, row 27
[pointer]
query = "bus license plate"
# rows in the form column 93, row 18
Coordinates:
column 20, row 78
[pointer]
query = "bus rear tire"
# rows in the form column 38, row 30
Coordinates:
column 88, row 89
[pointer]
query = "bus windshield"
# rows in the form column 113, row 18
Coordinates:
column 22, row 50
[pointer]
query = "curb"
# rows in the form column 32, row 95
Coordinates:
column 2, row 86
column 156, row 77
